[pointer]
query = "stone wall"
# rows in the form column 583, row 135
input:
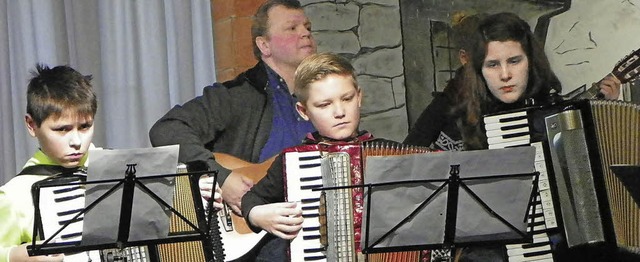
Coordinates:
column 367, row 32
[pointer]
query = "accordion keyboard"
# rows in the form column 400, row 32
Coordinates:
column 510, row 130
column 60, row 206
column 308, row 175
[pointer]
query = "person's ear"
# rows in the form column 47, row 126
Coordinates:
column 302, row 110
column 359, row 96
column 463, row 56
column 263, row 45
column 31, row 125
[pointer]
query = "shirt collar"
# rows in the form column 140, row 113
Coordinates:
column 274, row 80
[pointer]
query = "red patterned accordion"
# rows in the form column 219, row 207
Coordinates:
column 333, row 219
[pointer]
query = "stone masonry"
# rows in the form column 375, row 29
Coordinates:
column 368, row 32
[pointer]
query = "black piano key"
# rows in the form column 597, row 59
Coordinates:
column 309, row 187
column 65, row 190
column 69, row 212
column 311, row 178
column 305, row 166
column 309, row 158
column 310, row 207
column 71, row 235
column 64, row 222
column 505, row 128
column 534, row 224
column 515, row 135
column 309, row 229
column 67, row 198
column 513, row 118
column 314, row 258
column 536, row 215
column 313, row 250
column 310, row 215
column 309, row 200
column 537, row 253
column 311, row 237
column 532, row 245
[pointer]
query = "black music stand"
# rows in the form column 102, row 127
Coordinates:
column 106, row 227
column 468, row 198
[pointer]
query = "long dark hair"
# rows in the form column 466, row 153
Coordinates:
column 542, row 87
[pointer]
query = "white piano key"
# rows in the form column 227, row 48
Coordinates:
column 544, row 212
column 541, row 258
column 502, row 140
column 522, row 251
column 509, row 144
column 296, row 193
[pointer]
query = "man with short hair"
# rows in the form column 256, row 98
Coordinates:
column 251, row 117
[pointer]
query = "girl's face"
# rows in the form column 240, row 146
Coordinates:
column 506, row 70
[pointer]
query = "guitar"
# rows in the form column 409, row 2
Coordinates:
column 237, row 238
column 625, row 70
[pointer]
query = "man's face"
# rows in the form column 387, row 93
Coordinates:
column 506, row 70
column 333, row 107
column 63, row 139
column 288, row 38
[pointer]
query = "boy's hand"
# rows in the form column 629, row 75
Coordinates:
column 19, row 254
column 234, row 187
column 206, row 185
column 610, row 87
column 281, row 219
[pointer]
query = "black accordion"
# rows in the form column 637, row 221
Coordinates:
column 586, row 212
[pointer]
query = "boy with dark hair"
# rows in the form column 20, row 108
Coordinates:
column 61, row 106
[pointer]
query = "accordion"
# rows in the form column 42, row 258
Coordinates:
column 581, row 199
column 61, row 200
column 334, row 234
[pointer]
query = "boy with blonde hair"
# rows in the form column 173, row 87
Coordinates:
column 328, row 96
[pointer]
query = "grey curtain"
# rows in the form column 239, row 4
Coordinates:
column 145, row 57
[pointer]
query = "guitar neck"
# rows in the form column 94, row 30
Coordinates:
column 592, row 93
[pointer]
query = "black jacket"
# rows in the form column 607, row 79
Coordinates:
column 234, row 117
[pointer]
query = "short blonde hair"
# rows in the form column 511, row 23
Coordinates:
column 317, row 67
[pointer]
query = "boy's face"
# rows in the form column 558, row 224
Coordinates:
column 333, row 107
column 63, row 139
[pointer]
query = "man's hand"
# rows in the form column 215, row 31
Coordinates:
column 234, row 187
column 19, row 254
column 206, row 185
column 610, row 87
column 284, row 220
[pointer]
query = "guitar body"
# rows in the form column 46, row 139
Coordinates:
column 238, row 239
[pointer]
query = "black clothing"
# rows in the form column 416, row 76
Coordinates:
column 234, row 117
column 436, row 127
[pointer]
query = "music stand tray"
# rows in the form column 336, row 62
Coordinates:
column 447, row 199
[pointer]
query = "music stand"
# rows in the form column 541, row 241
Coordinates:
column 106, row 227
column 447, row 199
